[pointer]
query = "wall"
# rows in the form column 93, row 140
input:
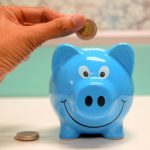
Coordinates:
column 32, row 77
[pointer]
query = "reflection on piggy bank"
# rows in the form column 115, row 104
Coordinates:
column 92, row 89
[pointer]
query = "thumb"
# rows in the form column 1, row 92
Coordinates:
column 58, row 27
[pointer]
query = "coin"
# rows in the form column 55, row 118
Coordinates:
column 27, row 136
column 88, row 31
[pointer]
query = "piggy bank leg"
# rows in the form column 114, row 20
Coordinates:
column 114, row 132
column 68, row 133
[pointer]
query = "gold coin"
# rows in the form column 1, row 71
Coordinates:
column 88, row 31
column 27, row 136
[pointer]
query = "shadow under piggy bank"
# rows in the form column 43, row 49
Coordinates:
column 50, row 136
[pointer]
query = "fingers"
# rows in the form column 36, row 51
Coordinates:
column 31, row 15
column 59, row 27
column 38, row 15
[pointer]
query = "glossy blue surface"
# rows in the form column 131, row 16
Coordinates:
column 92, row 89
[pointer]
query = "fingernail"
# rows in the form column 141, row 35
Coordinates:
column 78, row 20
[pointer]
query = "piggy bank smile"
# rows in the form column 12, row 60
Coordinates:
column 89, row 126
column 92, row 89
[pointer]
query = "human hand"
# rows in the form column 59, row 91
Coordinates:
column 22, row 29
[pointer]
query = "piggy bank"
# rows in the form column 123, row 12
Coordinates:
column 92, row 89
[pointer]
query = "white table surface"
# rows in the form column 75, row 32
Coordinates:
column 19, row 114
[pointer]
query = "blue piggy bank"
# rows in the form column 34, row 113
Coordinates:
column 92, row 89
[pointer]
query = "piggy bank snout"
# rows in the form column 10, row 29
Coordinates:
column 93, row 100
column 92, row 94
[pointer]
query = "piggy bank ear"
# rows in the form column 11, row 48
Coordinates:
column 124, row 54
column 62, row 54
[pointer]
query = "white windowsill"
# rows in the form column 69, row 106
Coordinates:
column 106, row 38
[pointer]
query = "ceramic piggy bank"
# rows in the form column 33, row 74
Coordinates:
column 92, row 89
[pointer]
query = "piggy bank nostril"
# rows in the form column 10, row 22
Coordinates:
column 101, row 101
column 88, row 100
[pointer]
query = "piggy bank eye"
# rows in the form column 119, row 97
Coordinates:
column 84, row 71
column 104, row 72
